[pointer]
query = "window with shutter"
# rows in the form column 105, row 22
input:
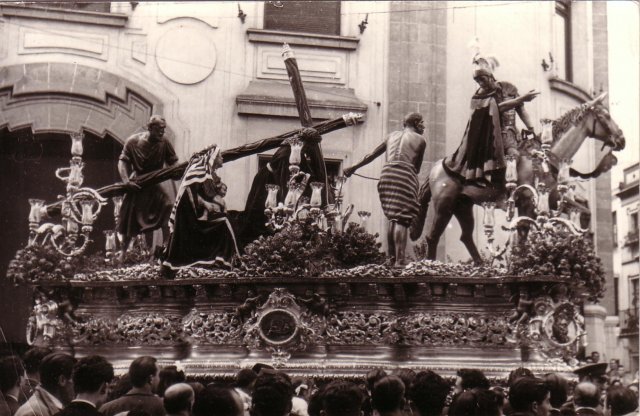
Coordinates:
column 319, row 17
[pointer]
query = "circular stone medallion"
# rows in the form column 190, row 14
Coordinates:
column 278, row 326
column 186, row 55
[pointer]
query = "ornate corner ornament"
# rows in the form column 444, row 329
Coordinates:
column 549, row 325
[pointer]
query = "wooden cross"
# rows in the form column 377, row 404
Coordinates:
column 303, row 107
column 176, row 171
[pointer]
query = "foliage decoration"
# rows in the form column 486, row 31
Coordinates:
column 303, row 250
column 563, row 254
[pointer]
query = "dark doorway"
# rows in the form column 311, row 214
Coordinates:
column 27, row 170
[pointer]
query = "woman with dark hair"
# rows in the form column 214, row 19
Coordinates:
column 559, row 389
column 475, row 402
column 169, row 376
column 621, row 401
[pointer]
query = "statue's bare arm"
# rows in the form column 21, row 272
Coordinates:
column 367, row 159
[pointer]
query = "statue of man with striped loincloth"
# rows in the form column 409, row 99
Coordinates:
column 398, row 186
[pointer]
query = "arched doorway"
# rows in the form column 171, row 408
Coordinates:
column 41, row 104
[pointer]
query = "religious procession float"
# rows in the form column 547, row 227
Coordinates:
column 312, row 293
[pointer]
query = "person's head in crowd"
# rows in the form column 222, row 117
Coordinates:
column 634, row 387
column 475, row 402
column 217, row 400
column 178, row 399
column 586, row 394
column 196, row 386
column 387, row 396
column 500, row 397
column 315, row 402
column 135, row 413
column 341, row 398
column 272, row 394
column 559, row 389
column 620, row 401
column 407, row 376
column 517, row 373
column 595, row 357
column 595, row 373
column 11, row 372
column 55, row 376
column 121, row 386
column 257, row 367
column 143, row 373
column 614, row 364
column 373, row 376
column 428, row 393
column 301, row 387
column 245, row 379
column 91, row 378
column 32, row 359
column 469, row 378
column 530, row 395
column 168, row 376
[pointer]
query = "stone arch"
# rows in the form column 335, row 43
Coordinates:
column 52, row 97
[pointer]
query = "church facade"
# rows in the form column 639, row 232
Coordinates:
column 215, row 71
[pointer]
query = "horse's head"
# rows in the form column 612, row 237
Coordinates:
column 604, row 127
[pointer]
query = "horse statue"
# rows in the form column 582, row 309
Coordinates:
column 449, row 196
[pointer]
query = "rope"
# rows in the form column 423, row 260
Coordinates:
column 366, row 177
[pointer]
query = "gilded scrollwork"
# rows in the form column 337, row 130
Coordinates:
column 90, row 330
column 423, row 329
column 148, row 329
column 212, row 327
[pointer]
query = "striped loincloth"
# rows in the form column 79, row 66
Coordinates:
column 398, row 190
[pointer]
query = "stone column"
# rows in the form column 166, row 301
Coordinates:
column 613, row 344
column 594, row 316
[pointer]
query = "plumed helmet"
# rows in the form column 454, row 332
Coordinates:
column 484, row 65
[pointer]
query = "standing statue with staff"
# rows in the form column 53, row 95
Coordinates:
column 398, row 186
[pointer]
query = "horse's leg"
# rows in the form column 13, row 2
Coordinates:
column 442, row 215
column 526, row 208
column 464, row 214
column 424, row 196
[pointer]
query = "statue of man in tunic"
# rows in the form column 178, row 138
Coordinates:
column 145, row 209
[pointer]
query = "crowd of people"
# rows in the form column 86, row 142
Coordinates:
column 47, row 383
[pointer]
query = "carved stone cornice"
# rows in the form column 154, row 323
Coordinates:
column 303, row 39
column 115, row 20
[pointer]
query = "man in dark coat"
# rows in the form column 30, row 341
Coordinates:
column 143, row 374
column 10, row 377
column 148, row 209
column 91, row 378
column 55, row 390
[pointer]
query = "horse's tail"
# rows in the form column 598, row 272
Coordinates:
column 424, row 197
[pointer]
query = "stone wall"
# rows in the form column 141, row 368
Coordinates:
column 418, row 73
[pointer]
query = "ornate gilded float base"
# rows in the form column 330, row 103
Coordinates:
column 325, row 326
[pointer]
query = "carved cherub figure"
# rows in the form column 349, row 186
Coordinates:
column 250, row 304
column 316, row 303
column 523, row 308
